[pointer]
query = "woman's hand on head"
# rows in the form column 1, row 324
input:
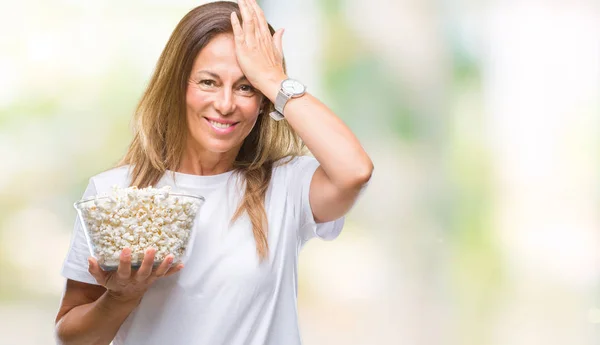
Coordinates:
column 259, row 54
column 126, row 284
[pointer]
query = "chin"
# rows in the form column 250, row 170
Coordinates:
column 220, row 146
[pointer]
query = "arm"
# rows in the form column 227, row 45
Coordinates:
column 345, row 166
column 90, row 315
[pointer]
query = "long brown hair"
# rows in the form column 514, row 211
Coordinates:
column 160, row 126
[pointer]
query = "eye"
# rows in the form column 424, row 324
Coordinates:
column 207, row 82
column 246, row 88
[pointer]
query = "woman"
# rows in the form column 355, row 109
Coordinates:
column 207, row 125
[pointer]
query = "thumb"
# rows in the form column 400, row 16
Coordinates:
column 96, row 271
column 277, row 40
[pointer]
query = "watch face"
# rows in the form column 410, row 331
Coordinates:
column 293, row 87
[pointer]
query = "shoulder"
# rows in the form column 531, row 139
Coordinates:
column 294, row 163
column 293, row 167
column 104, row 181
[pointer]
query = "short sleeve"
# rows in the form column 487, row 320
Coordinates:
column 301, row 173
column 75, row 266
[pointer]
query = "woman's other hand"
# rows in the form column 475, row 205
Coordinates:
column 126, row 284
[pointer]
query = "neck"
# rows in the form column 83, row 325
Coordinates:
column 197, row 161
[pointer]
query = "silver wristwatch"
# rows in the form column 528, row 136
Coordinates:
column 290, row 88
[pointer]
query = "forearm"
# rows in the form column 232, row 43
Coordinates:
column 95, row 323
column 331, row 142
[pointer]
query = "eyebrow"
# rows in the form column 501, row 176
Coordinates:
column 216, row 76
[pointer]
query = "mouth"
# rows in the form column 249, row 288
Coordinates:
column 221, row 127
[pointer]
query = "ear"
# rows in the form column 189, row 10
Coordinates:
column 264, row 105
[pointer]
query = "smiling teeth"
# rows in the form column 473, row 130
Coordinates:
column 220, row 125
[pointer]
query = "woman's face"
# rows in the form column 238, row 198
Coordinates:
column 222, row 106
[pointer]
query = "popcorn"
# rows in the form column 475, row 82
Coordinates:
column 138, row 219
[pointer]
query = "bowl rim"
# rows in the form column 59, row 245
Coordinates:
column 94, row 198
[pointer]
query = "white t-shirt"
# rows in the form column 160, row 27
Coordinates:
column 223, row 295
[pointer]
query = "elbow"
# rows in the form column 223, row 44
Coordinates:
column 63, row 335
column 364, row 173
column 59, row 334
column 349, row 178
column 360, row 176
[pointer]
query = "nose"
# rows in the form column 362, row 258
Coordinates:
column 224, row 102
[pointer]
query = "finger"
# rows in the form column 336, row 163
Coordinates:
column 261, row 21
column 174, row 270
column 248, row 23
column 146, row 268
column 164, row 266
column 278, row 41
column 124, row 269
column 96, row 271
column 238, row 32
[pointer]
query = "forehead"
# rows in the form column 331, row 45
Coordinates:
column 219, row 57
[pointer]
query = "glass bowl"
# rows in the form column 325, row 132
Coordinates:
column 161, row 221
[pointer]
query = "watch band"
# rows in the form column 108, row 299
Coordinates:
column 280, row 102
column 282, row 98
column 275, row 115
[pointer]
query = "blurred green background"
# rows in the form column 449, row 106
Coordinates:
column 480, row 224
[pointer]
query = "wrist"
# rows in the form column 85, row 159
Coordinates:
column 122, row 299
column 270, row 86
